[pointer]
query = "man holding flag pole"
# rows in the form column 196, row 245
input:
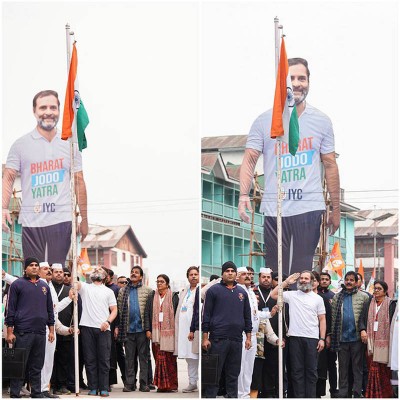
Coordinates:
column 293, row 201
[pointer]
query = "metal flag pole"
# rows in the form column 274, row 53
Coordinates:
column 279, row 222
column 73, row 234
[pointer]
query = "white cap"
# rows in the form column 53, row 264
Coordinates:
column 44, row 264
column 265, row 270
column 57, row 266
column 240, row 270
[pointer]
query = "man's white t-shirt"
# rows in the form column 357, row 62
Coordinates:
column 96, row 302
column 304, row 309
column 301, row 174
column 45, row 178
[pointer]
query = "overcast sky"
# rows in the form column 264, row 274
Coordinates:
column 138, row 75
column 157, row 76
column 352, row 49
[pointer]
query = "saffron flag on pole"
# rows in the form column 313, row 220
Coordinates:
column 75, row 118
column 336, row 262
column 84, row 266
column 284, row 114
column 361, row 269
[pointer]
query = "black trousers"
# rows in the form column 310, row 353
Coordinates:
column 300, row 235
column 230, row 358
column 62, row 362
column 35, row 345
column 304, row 362
column 332, row 371
column 96, row 348
column 121, row 360
column 350, row 352
column 136, row 347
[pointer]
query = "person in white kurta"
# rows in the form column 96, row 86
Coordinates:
column 248, row 356
column 183, row 319
column 46, row 275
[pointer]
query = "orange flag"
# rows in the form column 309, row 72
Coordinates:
column 336, row 262
column 84, row 266
column 361, row 269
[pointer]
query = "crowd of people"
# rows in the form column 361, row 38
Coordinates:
column 117, row 324
column 349, row 331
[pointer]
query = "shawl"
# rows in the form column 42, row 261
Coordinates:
column 378, row 342
column 163, row 332
column 337, row 323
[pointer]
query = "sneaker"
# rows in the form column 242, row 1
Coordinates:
column 128, row 388
column 191, row 388
column 144, row 388
column 63, row 390
column 104, row 393
column 152, row 387
column 24, row 392
column 92, row 392
column 47, row 394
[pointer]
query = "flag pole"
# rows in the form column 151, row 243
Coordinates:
column 279, row 223
column 73, row 234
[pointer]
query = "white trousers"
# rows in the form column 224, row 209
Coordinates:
column 193, row 370
column 247, row 366
column 47, row 369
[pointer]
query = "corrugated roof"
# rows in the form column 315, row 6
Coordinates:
column 223, row 142
column 109, row 236
column 386, row 222
column 208, row 161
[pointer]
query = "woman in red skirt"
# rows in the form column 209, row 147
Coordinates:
column 375, row 331
column 160, row 328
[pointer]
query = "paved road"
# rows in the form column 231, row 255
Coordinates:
column 117, row 392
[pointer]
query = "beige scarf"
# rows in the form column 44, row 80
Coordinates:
column 163, row 332
column 378, row 342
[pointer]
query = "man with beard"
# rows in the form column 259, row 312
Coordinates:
column 306, row 333
column 99, row 309
column 266, row 374
column 226, row 315
column 248, row 355
column 347, row 306
column 303, row 203
column 44, row 162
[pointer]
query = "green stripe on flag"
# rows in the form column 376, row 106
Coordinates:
column 293, row 132
column 82, row 121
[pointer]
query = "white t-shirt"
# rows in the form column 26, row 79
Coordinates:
column 96, row 303
column 301, row 174
column 45, row 178
column 304, row 309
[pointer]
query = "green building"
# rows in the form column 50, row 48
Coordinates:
column 224, row 236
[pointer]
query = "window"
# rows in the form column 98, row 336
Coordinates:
column 123, row 257
column 132, row 261
column 114, row 258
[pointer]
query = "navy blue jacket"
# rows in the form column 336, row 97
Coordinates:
column 29, row 306
column 226, row 312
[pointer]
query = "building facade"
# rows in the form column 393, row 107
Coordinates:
column 224, row 236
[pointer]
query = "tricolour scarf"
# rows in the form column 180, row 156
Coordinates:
column 164, row 332
column 378, row 342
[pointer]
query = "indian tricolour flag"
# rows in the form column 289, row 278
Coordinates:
column 75, row 118
column 284, row 115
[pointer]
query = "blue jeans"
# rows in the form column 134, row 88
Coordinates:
column 35, row 345
column 230, row 358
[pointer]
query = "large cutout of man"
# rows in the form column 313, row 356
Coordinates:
column 44, row 162
column 303, row 204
